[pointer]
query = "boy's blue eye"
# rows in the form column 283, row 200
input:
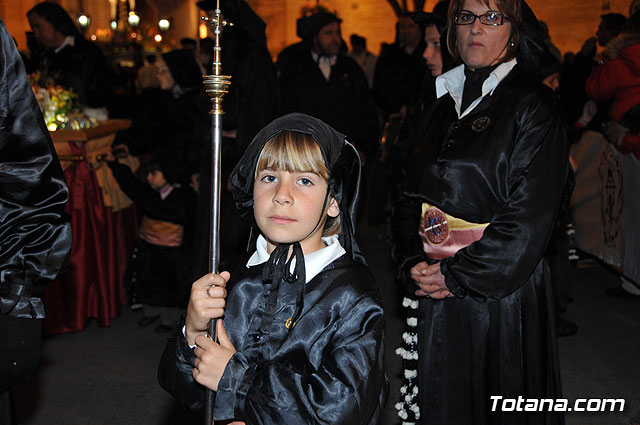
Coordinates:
column 269, row 178
column 305, row 181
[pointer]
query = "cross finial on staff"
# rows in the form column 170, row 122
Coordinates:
column 217, row 20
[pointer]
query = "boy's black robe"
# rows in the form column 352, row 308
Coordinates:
column 328, row 368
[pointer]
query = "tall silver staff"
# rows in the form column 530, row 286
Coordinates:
column 216, row 86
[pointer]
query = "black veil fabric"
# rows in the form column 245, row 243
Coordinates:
column 340, row 157
column 531, row 43
column 184, row 69
column 35, row 235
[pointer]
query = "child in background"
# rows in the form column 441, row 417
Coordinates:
column 301, row 323
column 157, row 271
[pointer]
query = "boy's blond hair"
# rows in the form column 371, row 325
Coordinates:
column 297, row 152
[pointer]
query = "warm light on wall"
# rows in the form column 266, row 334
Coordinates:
column 158, row 38
column 203, row 32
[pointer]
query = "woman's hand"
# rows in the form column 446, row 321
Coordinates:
column 207, row 301
column 430, row 280
column 212, row 357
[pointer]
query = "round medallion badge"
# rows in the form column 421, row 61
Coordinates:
column 480, row 124
column 435, row 226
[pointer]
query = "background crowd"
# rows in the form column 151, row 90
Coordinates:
column 379, row 103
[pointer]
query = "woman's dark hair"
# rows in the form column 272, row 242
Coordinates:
column 428, row 19
column 511, row 9
column 56, row 16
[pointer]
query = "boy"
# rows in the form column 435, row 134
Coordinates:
column 302, row 336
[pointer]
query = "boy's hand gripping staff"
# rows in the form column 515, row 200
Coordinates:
column 216, row 86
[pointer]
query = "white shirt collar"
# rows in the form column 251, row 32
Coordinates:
column 313, row 263
column 68, row 41
column 325, row 63
column 331, row 59
column 166, row 191
column 452, row 82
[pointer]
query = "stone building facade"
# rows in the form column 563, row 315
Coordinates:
column 570, row 22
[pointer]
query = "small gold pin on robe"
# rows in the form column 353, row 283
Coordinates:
column 480, row 124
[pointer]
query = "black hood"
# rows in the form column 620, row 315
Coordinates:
column 341, row 159
column 241, row 15
column 531, row 43
column 184, row 68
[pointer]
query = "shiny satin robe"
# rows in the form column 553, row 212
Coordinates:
column 344, row 101
column 505, row 164
column 35, row 235
column 327, row 369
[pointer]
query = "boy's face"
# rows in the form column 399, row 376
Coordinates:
column 288, row 205
column 156, row 179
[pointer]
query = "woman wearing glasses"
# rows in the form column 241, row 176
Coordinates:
column 477, row 210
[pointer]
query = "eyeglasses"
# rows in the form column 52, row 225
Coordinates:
column 489, row 18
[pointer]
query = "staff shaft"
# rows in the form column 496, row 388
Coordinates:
column 214, row 240
column 216, row 86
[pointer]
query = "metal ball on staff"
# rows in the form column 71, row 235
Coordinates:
column 216, row 86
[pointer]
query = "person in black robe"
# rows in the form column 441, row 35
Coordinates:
column 490, row 164
column 176, row 117
column 252, row 102
column 253, row 98
column 69, row 59
column 318, row 356
column 35, row 234
column 399, row 143
column 400, row 68
column 341, row 98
